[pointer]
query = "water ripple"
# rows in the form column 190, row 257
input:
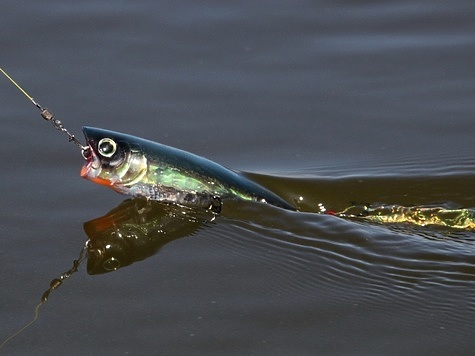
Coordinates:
column 325, row 250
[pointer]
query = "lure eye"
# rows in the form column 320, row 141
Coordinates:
column 106, row 147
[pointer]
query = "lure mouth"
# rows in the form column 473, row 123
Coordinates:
column 92, row 168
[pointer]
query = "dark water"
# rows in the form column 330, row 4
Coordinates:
column 334, row 102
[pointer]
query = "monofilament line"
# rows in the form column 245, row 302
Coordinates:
column 48, row 116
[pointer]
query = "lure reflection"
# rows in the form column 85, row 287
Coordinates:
column 137, row 229
column 133, row 231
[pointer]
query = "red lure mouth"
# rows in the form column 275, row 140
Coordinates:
column 92, row 168
column 101, row 181
column 85, row 173
column 86, row 168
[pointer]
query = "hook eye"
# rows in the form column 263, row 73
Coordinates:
column 106, row 147
column 86, row 152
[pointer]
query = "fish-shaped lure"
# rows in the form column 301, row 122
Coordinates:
column 137, row 167
column 142, row 168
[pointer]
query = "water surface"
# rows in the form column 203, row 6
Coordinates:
column 334, row 102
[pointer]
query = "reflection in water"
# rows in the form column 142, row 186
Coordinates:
column 339, row 248
column 137, row 229
column 132, row 231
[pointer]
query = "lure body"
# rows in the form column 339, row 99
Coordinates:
column 138, row 167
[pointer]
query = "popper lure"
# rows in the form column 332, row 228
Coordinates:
column 141, row 168
column 138, row 167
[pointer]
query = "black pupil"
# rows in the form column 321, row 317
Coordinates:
column 107, row 147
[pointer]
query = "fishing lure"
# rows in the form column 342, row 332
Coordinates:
column 141, row 168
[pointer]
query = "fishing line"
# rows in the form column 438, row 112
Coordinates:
column 54, row 284
column 19, row 87
column 48, row 116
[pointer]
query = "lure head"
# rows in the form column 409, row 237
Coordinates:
column 113, row 159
